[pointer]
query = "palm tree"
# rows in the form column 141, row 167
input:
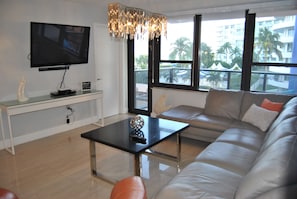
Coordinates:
column 142, row 62
column 225, row 49
column 268, row 43
column 214, row 78
column 181, row 49
column 236, row 54
column 207, row 56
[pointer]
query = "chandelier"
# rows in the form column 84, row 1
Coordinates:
column 127, row 22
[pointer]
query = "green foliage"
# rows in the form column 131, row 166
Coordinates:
column 181, row 49
column 238, row 61
column 226, row 50
column 235, row 81
column 267, row 43
column 141, row 62
column 214, row 78
column 224, row 64
column 207, row 56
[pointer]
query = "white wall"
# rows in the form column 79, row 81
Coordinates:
column 15, row 18
column 177, row 97
column 111, row 69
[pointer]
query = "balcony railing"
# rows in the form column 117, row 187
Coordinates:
column 262, row 81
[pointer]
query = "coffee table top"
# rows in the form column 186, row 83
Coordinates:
column 117, row 134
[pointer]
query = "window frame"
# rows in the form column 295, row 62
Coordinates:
column 247, row 57
column 266, row 64
column 158, row 61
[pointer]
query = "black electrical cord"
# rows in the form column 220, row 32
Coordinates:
column 63, row 78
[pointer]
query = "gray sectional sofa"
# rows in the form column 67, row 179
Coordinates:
column 223, row 110
column 243, row 161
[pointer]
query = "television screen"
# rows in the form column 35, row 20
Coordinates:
column 57, row 44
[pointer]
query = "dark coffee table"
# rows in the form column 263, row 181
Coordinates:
column 117, row 135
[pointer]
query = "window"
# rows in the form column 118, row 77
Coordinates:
column 221, row 52
column 175, row 66
column 257, row 53
column 274, row 61
column 139, row 70
column 141, row 73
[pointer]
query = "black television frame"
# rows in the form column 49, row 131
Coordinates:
column 53, row 45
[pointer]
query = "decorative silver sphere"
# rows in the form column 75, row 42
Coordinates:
column 137, row 123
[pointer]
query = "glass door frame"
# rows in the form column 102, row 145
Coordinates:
column 132, row 81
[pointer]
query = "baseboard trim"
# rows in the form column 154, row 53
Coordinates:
column 48, row 132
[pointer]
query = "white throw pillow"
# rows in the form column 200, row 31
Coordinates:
column 259, row 117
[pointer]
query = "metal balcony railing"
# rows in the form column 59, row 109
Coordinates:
column 262, row 81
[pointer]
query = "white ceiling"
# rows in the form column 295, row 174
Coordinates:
column 182, row 7
column 180, row 10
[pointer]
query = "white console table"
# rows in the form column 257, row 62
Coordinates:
column 15, row 107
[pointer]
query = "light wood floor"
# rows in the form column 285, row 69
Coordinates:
column 58, row 167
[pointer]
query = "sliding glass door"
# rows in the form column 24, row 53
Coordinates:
column 138, row 76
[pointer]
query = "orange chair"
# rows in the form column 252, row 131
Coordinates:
column 129, row 188
column 6, row 194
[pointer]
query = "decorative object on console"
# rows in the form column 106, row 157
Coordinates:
column 160, row 105
column 86, row 86
column 21, row 91
column 137, row 123
column 124, row 22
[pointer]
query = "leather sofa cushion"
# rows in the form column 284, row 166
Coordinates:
column 287, row 192
column 201, row 134
column 289, row 110
column 195, row 117
column 182, row 113
column 219, row 153
column 274, row 168
column 201, row 180
column 291, row 102
column 245, row 125
column 223, row 103
column 211, row 122
column 243, row 137
column 285, row 128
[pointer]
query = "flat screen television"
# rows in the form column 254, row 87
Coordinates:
column 58, row 44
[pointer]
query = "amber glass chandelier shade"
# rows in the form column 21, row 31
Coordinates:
column 126, row 22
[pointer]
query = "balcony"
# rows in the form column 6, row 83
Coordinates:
column 261, row 81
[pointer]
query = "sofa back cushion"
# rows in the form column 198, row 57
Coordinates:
column 275, row 167
column 283, row 125
column 286, row 128
column 289, row 110
column 250, row 98
column 223, row 103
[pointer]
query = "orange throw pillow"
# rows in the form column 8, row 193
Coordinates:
column 272, row 106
